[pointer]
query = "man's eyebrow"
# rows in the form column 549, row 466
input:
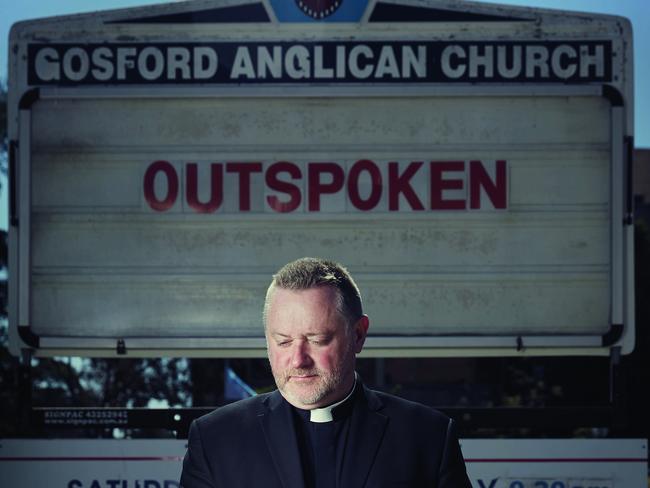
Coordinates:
column 279, row 334
column 309, row 334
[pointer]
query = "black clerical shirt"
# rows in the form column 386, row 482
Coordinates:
column 322, row 444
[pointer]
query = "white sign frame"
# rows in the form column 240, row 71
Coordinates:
column 621, row 331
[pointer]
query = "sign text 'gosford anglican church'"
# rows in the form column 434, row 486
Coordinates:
column 361, row 185
column 327, row 61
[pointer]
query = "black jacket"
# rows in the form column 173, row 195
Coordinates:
column 391, row 443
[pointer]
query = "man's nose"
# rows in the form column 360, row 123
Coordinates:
column 301, row 357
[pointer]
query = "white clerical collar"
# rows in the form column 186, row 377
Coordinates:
column 324, row 414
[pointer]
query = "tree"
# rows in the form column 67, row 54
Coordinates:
column 8, row 364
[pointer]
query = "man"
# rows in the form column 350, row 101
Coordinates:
column 322, row 428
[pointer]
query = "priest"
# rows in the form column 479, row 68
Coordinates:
column 322, row 428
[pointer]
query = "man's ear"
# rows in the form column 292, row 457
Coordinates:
column 360, row 332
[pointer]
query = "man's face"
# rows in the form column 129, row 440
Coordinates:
column 311, row 348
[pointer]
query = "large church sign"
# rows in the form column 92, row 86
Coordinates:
column 468, row 162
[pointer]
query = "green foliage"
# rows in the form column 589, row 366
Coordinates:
column 99, row 382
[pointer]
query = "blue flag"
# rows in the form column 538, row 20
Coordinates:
column 234, row 387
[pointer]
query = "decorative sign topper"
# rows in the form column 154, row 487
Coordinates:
column 319, row 9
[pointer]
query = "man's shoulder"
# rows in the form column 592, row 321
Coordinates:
column 409, row 421
column 394, row 405
column 235, row 413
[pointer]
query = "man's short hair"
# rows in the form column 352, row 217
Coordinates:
column 305, row 273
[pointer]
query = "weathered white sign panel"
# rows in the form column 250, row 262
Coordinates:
column 474, row 180
column 491, row 463
column 67, row 463
column 556, row 463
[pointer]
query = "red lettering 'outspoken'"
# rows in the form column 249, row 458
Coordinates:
column 216, row 188
column 439, row 183
column 364, row 186
column 169, row 172
column 375, row 184
column 244, row 170
column 401, row 184
column 496, row 190
column 275, row 183
column 317, row 187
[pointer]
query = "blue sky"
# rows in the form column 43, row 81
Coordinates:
column 638, row 11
